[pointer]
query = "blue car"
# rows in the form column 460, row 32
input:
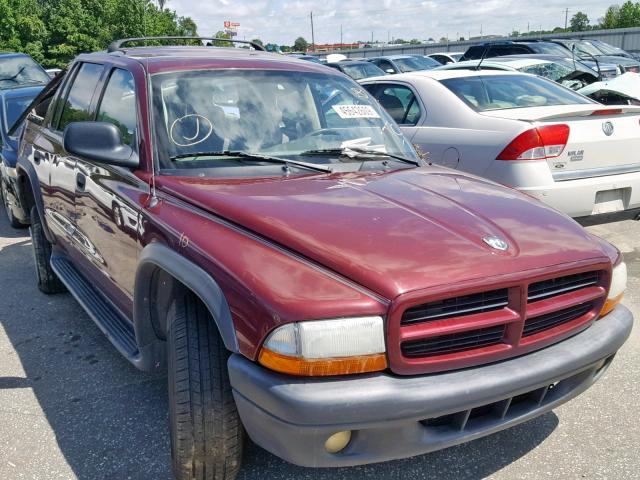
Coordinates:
column 13, row 102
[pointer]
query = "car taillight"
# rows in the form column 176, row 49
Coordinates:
column 537, row 144
column 607, row 111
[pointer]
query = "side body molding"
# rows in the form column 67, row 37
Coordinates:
column 30, row 172
column 157, row 255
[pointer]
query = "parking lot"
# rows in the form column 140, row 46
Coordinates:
column 72, row 407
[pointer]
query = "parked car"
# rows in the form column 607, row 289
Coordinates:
column 502, row 48
column 528, row 47
column 445, row 58
column 357, row 69
column 524, row 131
column 393, row 64
column 19, row 69
column 13, row 102
column 571, row 74
column 297, row 269
column 587, row 51
column 309, row 58
column 608, row 49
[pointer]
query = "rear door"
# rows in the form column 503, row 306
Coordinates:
column 56, row 171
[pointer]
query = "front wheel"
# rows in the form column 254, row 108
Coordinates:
column 206, row 432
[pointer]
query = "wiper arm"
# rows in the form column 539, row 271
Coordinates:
column 13, row 78
column 361, row 153
column 255, row 156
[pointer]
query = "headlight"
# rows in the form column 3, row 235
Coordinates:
column 326, row 347
column 618, row 286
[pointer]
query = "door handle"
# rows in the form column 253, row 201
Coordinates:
column 81, row 181
column 38, row 156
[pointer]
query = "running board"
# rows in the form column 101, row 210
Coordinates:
column 112, row 323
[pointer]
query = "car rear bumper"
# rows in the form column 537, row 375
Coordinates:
column 392, row 417
column 578, row 198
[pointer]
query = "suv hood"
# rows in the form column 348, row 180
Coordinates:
column 398, row 231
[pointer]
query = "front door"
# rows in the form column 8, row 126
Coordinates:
column 107, row 199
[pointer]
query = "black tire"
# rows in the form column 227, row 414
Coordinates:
column 206, row 432
column 48, row 281
column 13, row 221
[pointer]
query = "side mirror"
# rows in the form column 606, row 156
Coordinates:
column 100, row 142
column 390, row 70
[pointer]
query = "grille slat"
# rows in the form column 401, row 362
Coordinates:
column 457, row 306
column 553, row 319
column 455, row 342
column 557, row 286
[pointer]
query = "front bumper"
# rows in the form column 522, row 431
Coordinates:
column 395, row 417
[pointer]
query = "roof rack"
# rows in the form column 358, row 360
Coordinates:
column 117, row 45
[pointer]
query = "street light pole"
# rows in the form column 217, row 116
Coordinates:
column 313, row 38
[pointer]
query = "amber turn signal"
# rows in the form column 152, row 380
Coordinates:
column 610, row 304
column 322, row 367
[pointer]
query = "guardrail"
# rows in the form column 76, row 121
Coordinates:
column 625, row 38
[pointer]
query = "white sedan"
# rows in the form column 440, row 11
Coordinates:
column 576, row 155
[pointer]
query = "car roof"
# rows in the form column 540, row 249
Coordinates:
column 391, row 57
column 170, row 58
column 438, row 75
column 12, row 54
column 347, row 62
column 445, row 53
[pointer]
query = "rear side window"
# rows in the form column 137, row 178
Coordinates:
column 78, row 101
column 118, row 104
column 502, row 92
column 400, row 103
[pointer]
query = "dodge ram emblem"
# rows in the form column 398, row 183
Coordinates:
column 496, row 242
column 607, row 128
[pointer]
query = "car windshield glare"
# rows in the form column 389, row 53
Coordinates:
column 362, row 70
column 14, row 107
column 412, row 64
column 20, row 70
column 502, row 92
column 269, row 113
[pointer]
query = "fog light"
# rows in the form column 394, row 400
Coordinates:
column 337, row 441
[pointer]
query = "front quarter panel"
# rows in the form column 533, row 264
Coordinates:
column 264, row 285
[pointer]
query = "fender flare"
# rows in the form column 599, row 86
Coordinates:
column 156, row 255
column 30, row 172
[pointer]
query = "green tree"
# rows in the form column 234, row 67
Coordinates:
column 300, row 45
column 579, row 22
column 257, row 41
column 220, row 43
column 610, row 18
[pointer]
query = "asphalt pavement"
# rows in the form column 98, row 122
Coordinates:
column 72, row 408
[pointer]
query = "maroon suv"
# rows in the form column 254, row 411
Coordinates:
column 259, row 227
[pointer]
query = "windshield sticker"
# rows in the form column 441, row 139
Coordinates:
column 355, row 111
column 359, row 92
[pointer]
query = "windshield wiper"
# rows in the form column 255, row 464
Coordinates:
column 362, row 152
column 255, row 156
column 13, row 78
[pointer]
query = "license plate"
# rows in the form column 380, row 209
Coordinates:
column 609, row 201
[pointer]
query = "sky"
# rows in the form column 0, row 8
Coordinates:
column 282, row 21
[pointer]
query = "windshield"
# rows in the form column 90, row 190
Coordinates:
column 358, row 71
column 608, row 49
column 548, row 48
column 269, row 113
column 412, row 64
column 14, row 107
column 456, row 56
column 558, row 70
column 501, row 92
column 585, row 49
column 21, row 70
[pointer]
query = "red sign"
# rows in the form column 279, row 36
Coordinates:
column 228, row 24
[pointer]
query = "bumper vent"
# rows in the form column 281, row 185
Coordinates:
column 457, row 307
column 455, row 342
column 553, row 319
column 557, row 286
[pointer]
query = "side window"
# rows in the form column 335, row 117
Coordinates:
column 441, row 59
column 400, row 103
column 118, row 104
column 386, row 65
column 76, row 105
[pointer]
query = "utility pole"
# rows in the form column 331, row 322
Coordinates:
column 340, row 35
column 527, row 28
column 372, row 37
column 481, row 31
column 313, row 38
column 566, row 17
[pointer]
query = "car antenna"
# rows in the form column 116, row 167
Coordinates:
column 484, row 55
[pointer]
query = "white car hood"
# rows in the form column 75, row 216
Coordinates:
column 627, row 85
